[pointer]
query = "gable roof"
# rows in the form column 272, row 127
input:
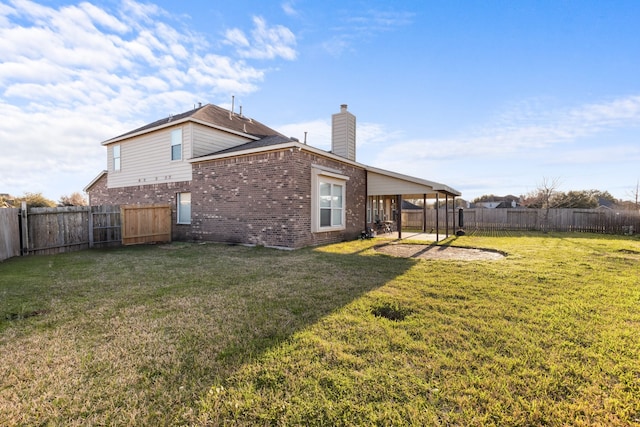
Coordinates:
column 94, row 181
column 262, row 138
column 419, row 185
column 208, row 115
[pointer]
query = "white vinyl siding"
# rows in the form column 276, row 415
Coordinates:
column 387, row 185
column 184, row 208
column 148, row 157
column 146, row 161
column 207, row 140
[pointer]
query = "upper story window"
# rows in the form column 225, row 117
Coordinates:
column 176, row 144
column 116, row 157
column 328, row 201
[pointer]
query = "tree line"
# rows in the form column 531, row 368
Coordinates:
column 37, row 200
column 547, row 196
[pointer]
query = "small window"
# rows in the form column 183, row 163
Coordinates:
column 116, row 157
column 184, row 208
column 176, row 144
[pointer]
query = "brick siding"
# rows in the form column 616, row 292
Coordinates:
column 166, row 193
column 260, row 199
column 265, row 199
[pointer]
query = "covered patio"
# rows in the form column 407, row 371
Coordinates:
column 385, row 194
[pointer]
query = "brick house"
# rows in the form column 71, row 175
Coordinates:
column 230, row 178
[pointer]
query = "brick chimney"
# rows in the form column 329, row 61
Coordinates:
column 343, row 134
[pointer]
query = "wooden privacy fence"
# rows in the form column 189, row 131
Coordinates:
column 579, row 220
column 9, row 233
column 146, row 224
column 39, row 231
column 64, row 229
column 54, row 230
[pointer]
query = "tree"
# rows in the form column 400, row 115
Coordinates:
column 635, row 194
column 460, row 203
column 542, row 198
column 75, row 199
column 36, row 200
column 575, row 199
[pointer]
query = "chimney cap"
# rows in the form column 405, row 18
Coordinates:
column 343, row 107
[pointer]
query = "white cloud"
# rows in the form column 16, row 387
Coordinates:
column 521, row 132
column 364, row 25
column 319, row 134
column 266, row 42
column 289, row 8
column 75, row 75
column 524, row 144
column 373, row 21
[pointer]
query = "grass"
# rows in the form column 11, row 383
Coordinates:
column 190, row 334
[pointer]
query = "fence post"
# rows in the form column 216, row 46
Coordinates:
column 24, row 230
column 90, row 213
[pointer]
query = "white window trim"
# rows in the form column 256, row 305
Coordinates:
column 181, row 145
column 318, row 176
column 117, row 167
column 178, row 208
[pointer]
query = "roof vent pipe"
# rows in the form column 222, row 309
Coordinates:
column 305, row 137
column 233, row 101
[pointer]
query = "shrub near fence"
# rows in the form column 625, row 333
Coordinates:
column 578, row 220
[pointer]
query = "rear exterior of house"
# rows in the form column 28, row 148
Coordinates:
column 268, row 199
column 231, row 179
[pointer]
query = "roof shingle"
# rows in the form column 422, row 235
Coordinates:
column 216, row 116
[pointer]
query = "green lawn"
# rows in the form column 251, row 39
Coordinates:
column 188, row 334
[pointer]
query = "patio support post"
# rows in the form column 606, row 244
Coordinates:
column 424, row 213
column 399, row 216
column 453, row 214
column 437, row 217
column 446, row 215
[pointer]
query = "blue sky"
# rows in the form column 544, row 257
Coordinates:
column 488, row 97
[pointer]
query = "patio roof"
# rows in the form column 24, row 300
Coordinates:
column 386, row 183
